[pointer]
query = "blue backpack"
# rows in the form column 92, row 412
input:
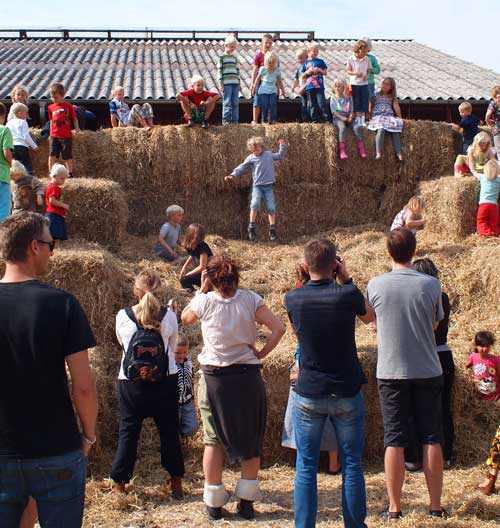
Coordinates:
column 145, row 359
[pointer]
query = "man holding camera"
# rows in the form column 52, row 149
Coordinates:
column 323, row 314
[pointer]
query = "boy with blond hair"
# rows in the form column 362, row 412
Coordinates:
column 170, row 233
column 61, row 116
column 56, row 206
column 21, row 136
column 258, row 62
column 197, row 103
column 312, row 72
column 122, row 115
column 468, row 126
column 299, row 82
column 229, row 80
column 262, row 163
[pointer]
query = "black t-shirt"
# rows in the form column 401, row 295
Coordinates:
column 202, row 247
column 39, row 326
column 323, row 315
column 441, row 331
column 469, row 125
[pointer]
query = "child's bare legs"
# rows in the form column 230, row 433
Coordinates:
column 30, row 515
column 186, row 106
column 69, row 165
column 256, row 113
column 272, row 219
column 209, row 107
column 57, row 243
column 52, row 160
column 333, row 461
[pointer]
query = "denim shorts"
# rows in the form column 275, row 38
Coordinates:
column 266, row 192
column 57, row 226
column 188, row 421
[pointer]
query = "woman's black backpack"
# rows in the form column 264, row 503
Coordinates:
column 145, row 359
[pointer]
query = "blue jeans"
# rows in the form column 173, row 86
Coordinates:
column 5, row 200
column 379, row 141
column 317, row 104
column 268, row 105
column 266, row 192
column 347, row 415
column 56, row 483
column 230, row 103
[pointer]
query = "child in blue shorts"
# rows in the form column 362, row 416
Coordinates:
column 262, row 163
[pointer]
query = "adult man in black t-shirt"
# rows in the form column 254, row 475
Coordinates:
column 323, row 315
column 42, row 329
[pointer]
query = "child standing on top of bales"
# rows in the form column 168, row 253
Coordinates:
column 386, row 117
column 258, row 62
column 358, row 68
column 329, row 438
column 477, row 155
column 487, row 213
column 300, row 83
column 268, row 85
column 188, row 421
column 28, row 192
column 468, row 126
column 56, row 208
column 485, row 367
column 6, row 146
column 170, row 232
column 313, row 71
column 262, row 163
column 493, row 117
column 341, row 106
column 197, row 104
column 19, row 94
column 199, row 252
column 21, row 136
column 229, row 80
column 374, row 67
column 123, row 116
column 61, row 115
column 411, row 216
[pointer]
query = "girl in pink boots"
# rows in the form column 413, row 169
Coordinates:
column 341, row 105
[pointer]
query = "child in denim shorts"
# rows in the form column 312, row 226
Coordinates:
column 262, row 163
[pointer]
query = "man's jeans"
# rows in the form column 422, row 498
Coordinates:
column 347, row 416
column 56, row 483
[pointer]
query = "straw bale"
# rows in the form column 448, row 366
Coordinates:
column 451, row 206
column 98, row 211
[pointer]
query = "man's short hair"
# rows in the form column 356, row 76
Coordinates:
column 173, row 209
column 401, row 245
column 16, row 233
column 319, row 255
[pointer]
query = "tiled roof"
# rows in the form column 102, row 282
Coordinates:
column 158, row 69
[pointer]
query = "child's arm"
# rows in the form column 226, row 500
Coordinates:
column 240, row 169
column 295, row 84
column 281, row 151
column 27, row 136
column 456, row 127
column 255, row 73
column 468, row 364
column 57, row 203
column 414, row 224
column 472, row 163
column 255, row 84
column 201, row 266
column 374, row 65
column 350, row 71
column 488, row 119
column 281, row 88
column 186, row 264
column 39, row 189
column 162, row 243
column 76, row 125
column 219, row 76
column 397, row 108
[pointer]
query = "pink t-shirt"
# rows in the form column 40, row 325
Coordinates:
column 485, row 375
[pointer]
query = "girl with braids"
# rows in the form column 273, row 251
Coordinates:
column 149, row 393
column 231, row 393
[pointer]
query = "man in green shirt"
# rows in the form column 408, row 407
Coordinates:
column 6, row 147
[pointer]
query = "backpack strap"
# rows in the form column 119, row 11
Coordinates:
column 131, row 315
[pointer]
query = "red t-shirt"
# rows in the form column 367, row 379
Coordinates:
column 61, row 116
column 197, row 98
column 259, row 59
column 55, row 191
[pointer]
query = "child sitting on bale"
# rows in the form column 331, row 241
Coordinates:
column 477, row 155
column 123, row 116
column 262, row 163
column 197, row 104
column 170, row 232
column 487, row 213
column 411, row 216
column 28, row 191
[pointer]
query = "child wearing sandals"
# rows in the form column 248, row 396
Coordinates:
column 341, row 106
column 385, row 115
column 329, row 439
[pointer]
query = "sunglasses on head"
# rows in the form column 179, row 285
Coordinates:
column 51, row 245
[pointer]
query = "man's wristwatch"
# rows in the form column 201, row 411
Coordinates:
column 89, row 441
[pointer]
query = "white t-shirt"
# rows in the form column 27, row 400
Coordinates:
column 126, row 328
column 358, row 66
column 21, row 133
column 228, row 327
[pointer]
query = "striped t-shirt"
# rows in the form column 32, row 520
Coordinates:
column 185, row 379
column 229, row 71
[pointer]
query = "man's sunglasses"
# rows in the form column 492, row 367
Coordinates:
column 51, row 245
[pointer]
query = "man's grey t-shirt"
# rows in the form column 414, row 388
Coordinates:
column 407, row 304
column 170, row 234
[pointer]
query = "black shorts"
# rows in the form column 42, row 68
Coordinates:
column 417, row 398
column 57, row 226
column 61, row 146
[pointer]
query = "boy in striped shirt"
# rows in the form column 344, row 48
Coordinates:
column 229, row 79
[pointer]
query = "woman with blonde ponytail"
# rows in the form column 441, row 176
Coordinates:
column 146, row 331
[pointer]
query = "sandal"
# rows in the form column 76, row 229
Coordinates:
column 389, row 516
column 442, row 513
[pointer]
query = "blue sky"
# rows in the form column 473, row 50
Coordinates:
column 465, row 28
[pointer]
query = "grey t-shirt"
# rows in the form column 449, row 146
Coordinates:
column 170, row 234
column 407, row 304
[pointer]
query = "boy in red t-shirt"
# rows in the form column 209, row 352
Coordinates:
column 61, row 115
column 197, row 104
column 56, row 208
column 267, row 45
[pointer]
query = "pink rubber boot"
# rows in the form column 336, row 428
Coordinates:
column 361, row 149
column 342, row 154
